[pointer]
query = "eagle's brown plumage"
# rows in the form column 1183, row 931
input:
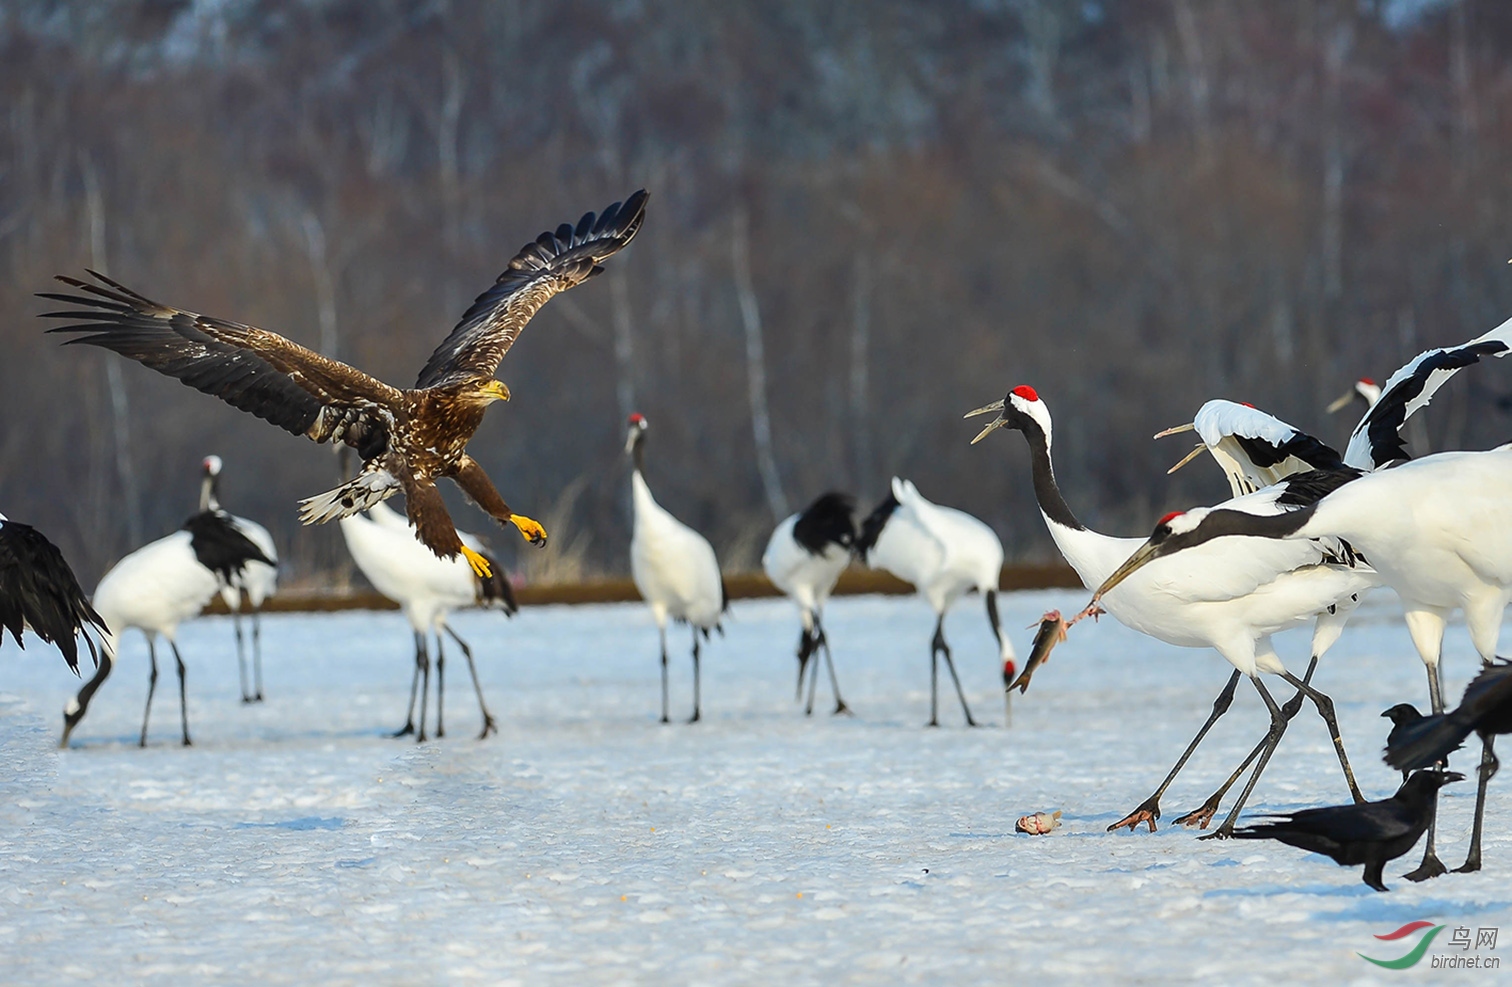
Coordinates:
column 406, row 438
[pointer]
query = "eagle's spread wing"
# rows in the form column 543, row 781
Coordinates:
column 551, row 263
column 251, row 369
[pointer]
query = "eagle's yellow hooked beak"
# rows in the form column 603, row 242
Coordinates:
column 494, row 389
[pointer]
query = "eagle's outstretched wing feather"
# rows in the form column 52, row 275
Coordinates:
column 551, row 263
column 251, row 369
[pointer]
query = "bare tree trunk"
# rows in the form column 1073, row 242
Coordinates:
column 325, row 284
column 859, row 356
column 130, row 501
column 1340, row 40
column 624, row 353
column 448, row 126
column 761, row 422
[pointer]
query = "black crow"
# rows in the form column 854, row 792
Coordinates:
column 1402, row 715
column 1485, row 709
column 1369, row 833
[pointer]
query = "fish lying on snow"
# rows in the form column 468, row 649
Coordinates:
column 1038, row 823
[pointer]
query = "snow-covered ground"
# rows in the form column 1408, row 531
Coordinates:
column 297, row 843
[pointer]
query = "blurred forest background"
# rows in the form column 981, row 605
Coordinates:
column 867, row 217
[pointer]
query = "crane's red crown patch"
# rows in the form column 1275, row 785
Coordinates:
column 1026, row 392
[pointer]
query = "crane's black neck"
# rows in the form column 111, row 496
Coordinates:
column 1046, row 490
column 637, row 451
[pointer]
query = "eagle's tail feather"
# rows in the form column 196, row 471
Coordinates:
column 358, row 494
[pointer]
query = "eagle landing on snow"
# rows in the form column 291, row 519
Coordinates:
column 407, row 438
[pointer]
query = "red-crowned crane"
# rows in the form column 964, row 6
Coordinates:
column 1229, row 599
column 1438, row 531
column 38, row 593
column 252, row 586
column 427, row 589
column 1365, row 391
column 804, row 558
column 156, row 588
column 674, row 567
column 944, row 554
column 1257, row 449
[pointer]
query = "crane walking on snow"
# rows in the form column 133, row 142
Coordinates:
column 674, row 567
column 804, row 558
column 945, row 554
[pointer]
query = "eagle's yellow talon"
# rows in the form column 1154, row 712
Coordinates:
column 479, row 564
column 533, row 532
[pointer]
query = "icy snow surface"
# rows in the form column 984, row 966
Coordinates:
column 296, row 843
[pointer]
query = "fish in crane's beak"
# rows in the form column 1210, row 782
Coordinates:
column 997, row 422
column 1052, row 631
column 1176, row 430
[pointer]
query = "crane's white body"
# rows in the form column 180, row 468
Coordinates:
column 806, row 578
column 1438, row 530
column 944, row 553
column 426, row 586
column 154, row 589
column 674, row 567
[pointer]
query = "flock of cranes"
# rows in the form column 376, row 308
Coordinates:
column 1305, row 535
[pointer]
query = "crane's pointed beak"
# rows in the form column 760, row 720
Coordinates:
column 1176, row 430
column 1143, row 555
column 1187, row 458
column 1341, row 402
column 995, row 423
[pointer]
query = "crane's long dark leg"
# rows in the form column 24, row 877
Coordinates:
column 409, row 715
column 934, row 673
column 663, row 629
column 1272, row 741
column 805, row 649
column 424, row 658
column 950, row 666
column 1325, row 709
column 440, row 687
column 1149, row 810
column 697, row 709
column 829, row 658
column 241, row 655
column 151, row 688
column 183, row 691
column 1431, row 866
column 489, row 726
column 1203, row 814
column 257, row 654
column 808, row 710
column 79, row 705
column 1488, row 767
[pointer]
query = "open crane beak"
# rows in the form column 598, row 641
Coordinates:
column 1196, row 451
column 995, row 423
column 1341, row 402
column 1176, row 430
